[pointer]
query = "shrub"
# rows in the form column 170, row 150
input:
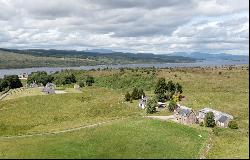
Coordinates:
column 233, row 125
column 122, row 70
column 176, row 98
column 90, row 80
column 171, row 106
column 127, row 96
column 160, row 97
column 201, row 124
column 10, row 82
column 135, row 94
column 151, row 106
column 171, row 87
column 40, row 77
column 178, row 88
column 81, row 84
column 160, row 86
column 64, row 78
column 141, row 93
column 209, row 119
column 131, row 100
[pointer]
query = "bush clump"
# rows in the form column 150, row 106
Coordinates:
column 127, row 96
column 172, row 106
column 233, row 125
column 201, row 124
column 151, row 106
column 209, row 120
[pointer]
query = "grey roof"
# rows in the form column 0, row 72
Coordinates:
column 217, row 114
column 223, row 119
column 50, row 85
column 184, row 111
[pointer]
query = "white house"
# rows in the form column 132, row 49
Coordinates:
column 143, row 102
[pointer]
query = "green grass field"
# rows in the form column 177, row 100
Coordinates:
column 45, row 113
column 228, row 92
column 134, row 137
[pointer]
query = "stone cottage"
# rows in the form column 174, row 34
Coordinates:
column 221, row 119
column 185, row 115
column 49, row 88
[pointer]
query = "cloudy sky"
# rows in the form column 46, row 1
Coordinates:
column 156, row 26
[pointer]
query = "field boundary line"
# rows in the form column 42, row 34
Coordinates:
column 207, row 147
column 62, row 131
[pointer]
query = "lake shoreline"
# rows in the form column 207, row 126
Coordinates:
column 205, row 63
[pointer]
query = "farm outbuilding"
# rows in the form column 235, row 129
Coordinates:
column 185, row 115
column 49, row 88
column 221, row 119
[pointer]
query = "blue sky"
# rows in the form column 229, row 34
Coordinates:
column 155, row 26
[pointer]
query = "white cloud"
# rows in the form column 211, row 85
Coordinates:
column 144, row 25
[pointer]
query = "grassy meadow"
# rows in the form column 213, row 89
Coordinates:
column 131, row 138
column 223, row 89
column 47, row 113
column 227, row 92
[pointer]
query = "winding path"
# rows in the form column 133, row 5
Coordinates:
column 62, row 131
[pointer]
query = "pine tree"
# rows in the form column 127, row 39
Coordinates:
column 151, row 106
column 141, row 93
column 178, row 88
column 160, row 89
column 135, row 94
column 209, row 119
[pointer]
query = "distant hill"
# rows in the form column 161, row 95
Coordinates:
column 208, row 56
column 13, row 58
column 104, row 51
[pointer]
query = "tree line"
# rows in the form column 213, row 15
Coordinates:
column 10, row 82
column 165, row 91
column 135, row 95
column 59, row 78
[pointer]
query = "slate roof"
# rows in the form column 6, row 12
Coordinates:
column 184, row 111
column 50, row 85
column 223, row 119
column 217, row 114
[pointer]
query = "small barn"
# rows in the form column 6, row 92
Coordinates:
column 49, row 88
column 185, row 115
